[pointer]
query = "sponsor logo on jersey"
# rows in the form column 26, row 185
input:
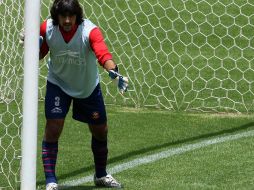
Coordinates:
column 68, row 53
column 68, row 57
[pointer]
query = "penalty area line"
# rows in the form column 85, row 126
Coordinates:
column 158, row 156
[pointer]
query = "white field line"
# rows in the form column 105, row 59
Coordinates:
column 160, row 155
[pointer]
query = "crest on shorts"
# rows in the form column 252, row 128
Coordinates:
column 95, row 115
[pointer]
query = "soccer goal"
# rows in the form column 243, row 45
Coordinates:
column 179, row 55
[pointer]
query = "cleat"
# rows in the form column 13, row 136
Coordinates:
column 106, row 181
column 51, row 186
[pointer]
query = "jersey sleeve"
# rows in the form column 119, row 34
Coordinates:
column 99, row 46
column 44, row 47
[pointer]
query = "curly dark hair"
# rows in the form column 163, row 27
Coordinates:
column 63, row 7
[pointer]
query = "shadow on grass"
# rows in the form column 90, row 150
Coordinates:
column 156, row 147
column 80, row 187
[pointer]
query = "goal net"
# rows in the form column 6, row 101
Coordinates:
column 179, row 55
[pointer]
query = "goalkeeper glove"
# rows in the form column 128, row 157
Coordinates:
column 121, row 81
column 40, row 41
column 22, row 39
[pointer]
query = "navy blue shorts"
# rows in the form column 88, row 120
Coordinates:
column 90, row 110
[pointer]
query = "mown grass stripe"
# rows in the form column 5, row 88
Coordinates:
column 158, row 156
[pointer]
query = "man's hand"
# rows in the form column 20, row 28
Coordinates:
column 22, row 39
column 122, row 82
column 40, row 41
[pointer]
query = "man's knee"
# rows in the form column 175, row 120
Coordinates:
column 53, row 129
column 100, row 132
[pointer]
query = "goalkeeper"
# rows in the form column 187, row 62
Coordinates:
column 75, row 45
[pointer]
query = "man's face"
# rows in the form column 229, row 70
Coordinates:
column 67, row 21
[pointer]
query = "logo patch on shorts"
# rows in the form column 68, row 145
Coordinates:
column 95, row 115
column 56, row 110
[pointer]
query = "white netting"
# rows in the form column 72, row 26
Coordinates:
column 10, row 92
column 179, row 55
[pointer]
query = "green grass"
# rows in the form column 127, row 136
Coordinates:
column 138, row 133
column 197, row 170
column 135, row 133
column 182, row 58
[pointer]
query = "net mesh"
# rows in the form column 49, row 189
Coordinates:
column 188, row 55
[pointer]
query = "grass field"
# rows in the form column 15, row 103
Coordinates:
column 190, row 65
column 139, row 133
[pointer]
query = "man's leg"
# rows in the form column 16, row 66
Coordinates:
column 53, row 131
column 57, row 105
column 99, row 148
column 92, row 110
column 100, row 153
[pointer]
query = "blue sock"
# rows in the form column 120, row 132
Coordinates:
column 49, row 157
column 100, row 153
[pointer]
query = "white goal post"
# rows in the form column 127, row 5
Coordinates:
column 30, row 95
column 179, row 55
